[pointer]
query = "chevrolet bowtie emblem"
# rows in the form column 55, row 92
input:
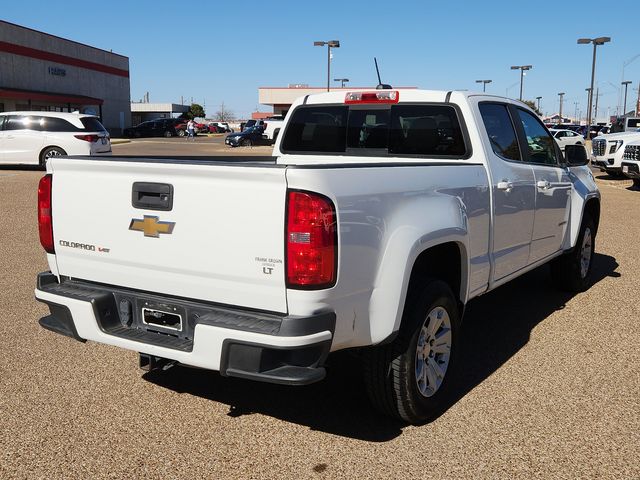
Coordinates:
column 151, row 226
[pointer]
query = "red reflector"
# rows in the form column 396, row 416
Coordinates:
column 45, row 220
column 88, row 138
column 311, row 241
column 379, row 96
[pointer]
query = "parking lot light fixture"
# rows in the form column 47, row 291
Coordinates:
column 484, row 84
column 626, row 84
column 522, row 69
column 596, row 41
column 539, row 98
column 330, row 44
column 341, row 80
column 561, row 95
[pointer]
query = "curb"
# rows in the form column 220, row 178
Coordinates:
column 118, row 141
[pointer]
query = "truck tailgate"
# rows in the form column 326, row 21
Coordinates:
column 226, row 244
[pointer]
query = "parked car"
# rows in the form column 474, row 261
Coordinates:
column 608, row 151
column 367, row 229
column 251, row 123
column 631, row 162
column 566, row 137
column 272, row 127
column 33, row 137
column 248, row 137
column 220, row 127
column 160, row 127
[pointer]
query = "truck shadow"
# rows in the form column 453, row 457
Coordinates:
column 497, row 325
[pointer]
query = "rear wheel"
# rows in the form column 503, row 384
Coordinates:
column 50, row 152
column 572, row 270
column 181, row 133
column 412, row 377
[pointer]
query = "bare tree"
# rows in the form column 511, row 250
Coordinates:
column 224, row 115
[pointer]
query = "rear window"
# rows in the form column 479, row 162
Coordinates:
column 92, row 124
column 53, row 124
column 425, row 130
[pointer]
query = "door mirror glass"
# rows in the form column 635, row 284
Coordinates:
column 575, row 155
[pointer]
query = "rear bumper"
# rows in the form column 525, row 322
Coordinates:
column 254, row 345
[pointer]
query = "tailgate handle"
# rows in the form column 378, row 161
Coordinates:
column 152, row 196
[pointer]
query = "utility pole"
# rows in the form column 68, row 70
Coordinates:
column 539, row 98
column 626, row 84
column 575, row 115
column 561, row 95
column 595, row 114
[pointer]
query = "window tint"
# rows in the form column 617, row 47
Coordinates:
column 19, row 122
column 92, row 124
column 429, row 130
column 53, row 124
column 426, row 130
column 540, row 144
column 560, row 134
column 501, row 133
column 317, row 129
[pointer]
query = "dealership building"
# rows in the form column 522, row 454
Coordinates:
column 42, row 72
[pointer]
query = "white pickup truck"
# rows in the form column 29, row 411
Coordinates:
column 631, row 162
column 379, row 217
column 272, row 128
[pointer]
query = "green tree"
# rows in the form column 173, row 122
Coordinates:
column 533, row 106
column 196, row 110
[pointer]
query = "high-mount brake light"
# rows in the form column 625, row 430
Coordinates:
column 381, row 96
column 311, row 241
column 88, row 138
column 45, row 219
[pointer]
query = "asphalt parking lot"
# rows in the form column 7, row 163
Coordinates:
column 551, row 386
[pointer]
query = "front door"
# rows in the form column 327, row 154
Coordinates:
column 553, row 187
column 22, row 139
column 513, row 191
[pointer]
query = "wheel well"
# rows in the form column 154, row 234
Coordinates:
column 41, row 156
column 592, row 207
column 443, row 262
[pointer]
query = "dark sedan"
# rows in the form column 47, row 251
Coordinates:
column 246, row 138
column 162, row 127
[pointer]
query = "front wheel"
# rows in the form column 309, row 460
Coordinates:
column 412, row 377
column 168, row 134
column 245, row 142
column 572, row 270
column 636, row 182
column 181, row 133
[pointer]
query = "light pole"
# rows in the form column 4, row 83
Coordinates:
column 596, row 42
column 341, row 80
column 522, row 69
column 484, row 84
column 330, row 44
column 626, row 84
column 588, row 90
column 561, row 95
column 539, row 98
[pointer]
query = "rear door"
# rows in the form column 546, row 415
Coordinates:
column 513, row 191
column 197, row 230
column 23, row 139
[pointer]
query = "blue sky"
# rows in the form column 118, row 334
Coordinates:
column 223, row 51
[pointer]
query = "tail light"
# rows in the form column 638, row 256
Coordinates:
column 45, row 219
column 311, row 241
column 380, row 96
column 88, row 138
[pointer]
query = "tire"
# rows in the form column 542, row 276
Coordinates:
column 246, row 142
column 391, row 371
column 636, row 182
column 50, row 152
column 181, row 133
column 572, row 271
column 168, row 134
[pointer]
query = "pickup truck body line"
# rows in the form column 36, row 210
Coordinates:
column 389, row 210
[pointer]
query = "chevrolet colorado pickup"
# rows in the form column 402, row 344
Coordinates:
column 379, row 217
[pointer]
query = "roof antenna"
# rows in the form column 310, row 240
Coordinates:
column 381, row 86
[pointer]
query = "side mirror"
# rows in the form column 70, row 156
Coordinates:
column 575, row 155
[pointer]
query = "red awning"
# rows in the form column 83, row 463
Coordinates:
column 49, row 97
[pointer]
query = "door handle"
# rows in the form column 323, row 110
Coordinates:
column 505, row 185
column 543, row 185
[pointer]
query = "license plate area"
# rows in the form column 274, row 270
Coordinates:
column 625, row 169
column 166, row 318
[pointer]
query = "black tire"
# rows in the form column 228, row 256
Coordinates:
column 246, row 142
column 390, row 370
column 636, row 182
column 50, row 152
column 567, row 271
column 168, row 134
column 181, row 133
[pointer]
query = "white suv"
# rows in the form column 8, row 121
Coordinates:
column 32, row 137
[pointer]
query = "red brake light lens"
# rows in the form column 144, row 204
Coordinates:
column 45, row 219
column 379, row 96
column 311, row 241
column 88, row 138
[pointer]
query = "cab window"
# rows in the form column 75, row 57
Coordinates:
column 540, row 146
